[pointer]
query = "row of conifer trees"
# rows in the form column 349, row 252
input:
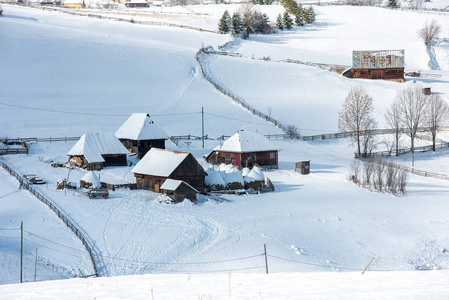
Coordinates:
column 250, row 20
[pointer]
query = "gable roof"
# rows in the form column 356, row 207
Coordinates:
column 140, row 126
column 246, row 141
column 159, row 162
column 173, row 184
column 93, row 145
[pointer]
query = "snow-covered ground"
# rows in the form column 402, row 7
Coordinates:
column 65, row 75
column 284, row 286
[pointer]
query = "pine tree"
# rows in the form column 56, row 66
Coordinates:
column 279, row 23
column 287, row 20
column 224, row 26
column 299, row 20
column 236, row 23
column 290, row 6
column 309, row 15
column 392, row 3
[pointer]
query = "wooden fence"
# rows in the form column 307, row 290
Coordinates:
column 99, row 16
column 24, row 183
column 404, row 168
column 234, row 97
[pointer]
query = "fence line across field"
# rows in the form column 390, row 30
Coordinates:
column 50, row 205
column 401, row 167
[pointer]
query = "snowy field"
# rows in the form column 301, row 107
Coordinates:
column 65, row 75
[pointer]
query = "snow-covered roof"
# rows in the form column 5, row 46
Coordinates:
column 246, row 141
column 93, row 145
column 173, row 184
column 159, row 162
column 140, row 126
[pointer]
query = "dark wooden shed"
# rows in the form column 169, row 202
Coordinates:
column 159, row 165
column 178, row 190
column 246, row 149
column 139, row 134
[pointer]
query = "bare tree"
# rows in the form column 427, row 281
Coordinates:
column 412, row 104
column 354, row 172
column 292, row 131
column 368, row 170
column 437, row 116
column 416, row 4
column 393, row 117
column 430, row 31
column 356, row 116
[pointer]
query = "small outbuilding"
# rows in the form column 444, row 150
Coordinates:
column 94, row 151
column 158, row 165
column 139, row 134
column 246, row 149
column 178, row 190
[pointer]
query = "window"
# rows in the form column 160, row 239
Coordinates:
column 273, row 155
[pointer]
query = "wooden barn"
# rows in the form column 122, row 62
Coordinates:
column 246, row 149
column 74, row 3
column 158, row 165
column 136, row 3
column 94, row 151
column 178, row 190
column 377, row 64
column 139, row 134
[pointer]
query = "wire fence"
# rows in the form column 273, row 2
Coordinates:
column 230, row 94
column 382, row 161
column 100, row 16
column 24, row 184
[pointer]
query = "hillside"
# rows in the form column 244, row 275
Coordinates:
column 65, row 75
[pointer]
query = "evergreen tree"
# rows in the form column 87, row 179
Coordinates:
column 287, row 20
column 299, row 19
column 290, row 6
column 279, row 23
column 309, row 15
column 224, row 26
column 236, row 23
column 392, row 3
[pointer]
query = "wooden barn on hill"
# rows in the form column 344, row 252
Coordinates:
column 139, row 134
column 158, row 165
column 246, row 149
column 97, row 150
column 377, row 64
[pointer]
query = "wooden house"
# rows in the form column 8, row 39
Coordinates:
column 94, row 151
column 178, row 190
column 378, row 64
column 246, row 149
column 74, row 3
column 136, row 3
column 158, row 165
column 139, row 134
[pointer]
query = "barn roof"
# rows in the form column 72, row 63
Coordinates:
column 159, row 162
column 246, row 141
column 93, row 145
column 173, row 184
column 140, row 126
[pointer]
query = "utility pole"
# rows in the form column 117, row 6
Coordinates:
column 202, row 125
column 266, row 260
column 35, row 267
column 21, row 251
